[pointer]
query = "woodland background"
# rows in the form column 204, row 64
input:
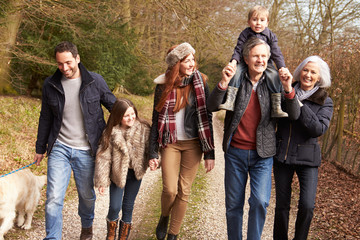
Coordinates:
column 126, row 42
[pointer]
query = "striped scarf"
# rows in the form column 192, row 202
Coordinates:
column 167, row 120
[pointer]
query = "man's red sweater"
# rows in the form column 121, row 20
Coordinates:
column 245, row 135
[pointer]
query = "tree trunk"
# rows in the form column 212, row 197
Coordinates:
column 325, row 140
column 126, row 12
column 8, row 39
column 341, row 129
column 274, row 14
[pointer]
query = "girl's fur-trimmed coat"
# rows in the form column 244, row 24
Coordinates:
column 127, row 148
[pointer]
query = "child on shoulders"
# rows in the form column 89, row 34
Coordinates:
column 258, row 20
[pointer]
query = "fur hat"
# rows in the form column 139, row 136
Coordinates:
column 179, row 53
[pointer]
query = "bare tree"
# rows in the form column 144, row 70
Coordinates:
column 12, row 18
column 321, row 22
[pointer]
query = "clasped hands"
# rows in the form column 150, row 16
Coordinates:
column 286, row 79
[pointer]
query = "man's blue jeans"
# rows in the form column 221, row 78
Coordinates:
column 61, row 161
column 123, row 198
column 238, row 165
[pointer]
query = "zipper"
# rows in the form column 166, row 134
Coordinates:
column 288, row 144
column 82, row 110
column 62, row 92
column 62, row 111
column 234, row 130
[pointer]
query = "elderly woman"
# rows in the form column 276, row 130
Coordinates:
column 182, row 132
column 298, row 150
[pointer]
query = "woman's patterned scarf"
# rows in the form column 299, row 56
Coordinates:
column 302, row 94
column 167, row 120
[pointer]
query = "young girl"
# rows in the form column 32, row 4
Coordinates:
column 182, row 129
column 121, row 162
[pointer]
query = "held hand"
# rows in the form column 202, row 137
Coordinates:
column 286, row 79
column 101, row 190
column 233, row 63
column 227, row 73
column 209, row 164
column 38, row 157
column 153, row 164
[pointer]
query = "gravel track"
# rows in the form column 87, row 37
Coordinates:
column 71, row 219
column 211, row 220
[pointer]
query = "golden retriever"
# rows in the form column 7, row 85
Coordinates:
column 19, row 192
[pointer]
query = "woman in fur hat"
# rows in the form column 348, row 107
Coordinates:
column 121, row 162
column 182, row 129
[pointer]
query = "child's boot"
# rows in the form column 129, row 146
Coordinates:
column 276, row 111
column 230, row 99
column 124, row 230
column 111, row 229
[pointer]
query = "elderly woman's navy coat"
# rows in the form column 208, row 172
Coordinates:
column 297, row 141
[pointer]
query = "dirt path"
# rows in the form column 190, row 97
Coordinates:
column 211, row 223
column 71, row 219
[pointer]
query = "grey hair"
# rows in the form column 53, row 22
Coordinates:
column 253, row 42
column 325, row 77
column 179, row 53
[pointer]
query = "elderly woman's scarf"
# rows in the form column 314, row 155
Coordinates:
column 302, row 94
column 167, row 120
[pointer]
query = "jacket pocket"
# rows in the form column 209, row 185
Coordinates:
column 54, row 106
column 93, row 104
column 306, row 152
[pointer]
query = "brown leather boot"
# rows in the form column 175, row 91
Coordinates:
column 124, row 230
column 111, row 229
column 86, row 233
